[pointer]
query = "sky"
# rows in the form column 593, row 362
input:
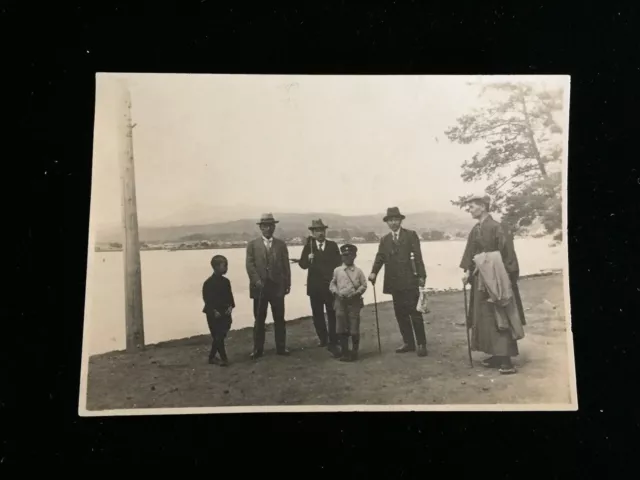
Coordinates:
column 218, row 147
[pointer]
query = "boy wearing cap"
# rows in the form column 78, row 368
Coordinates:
column 348, row 285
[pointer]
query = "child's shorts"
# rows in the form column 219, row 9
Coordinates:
column 348, row 315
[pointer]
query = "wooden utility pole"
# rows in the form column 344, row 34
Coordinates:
column 131, row 244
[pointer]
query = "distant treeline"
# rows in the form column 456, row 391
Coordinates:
column 344, row 234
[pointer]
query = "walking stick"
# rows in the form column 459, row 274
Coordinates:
column 375, row 304
column 466, row 322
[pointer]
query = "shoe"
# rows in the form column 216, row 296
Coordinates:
column 405, row 349
column 422, row 350
column 506, row 368
column 283, row 353
column 224, row 363
column 322, row 343
column 491, row 362
column 213, row 361
column 256, row 355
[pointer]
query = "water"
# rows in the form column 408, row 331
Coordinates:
column 172, row 285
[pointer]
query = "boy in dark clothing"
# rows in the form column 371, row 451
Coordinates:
column 218, row 305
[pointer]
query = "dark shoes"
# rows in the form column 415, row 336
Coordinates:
column 421, row 351
column 504, row 365
column 256, row 354
column 491, row 362
column 405, row 349
column 220, row 362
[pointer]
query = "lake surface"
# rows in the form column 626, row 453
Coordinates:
column 172, row 286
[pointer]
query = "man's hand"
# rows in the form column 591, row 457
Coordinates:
column 229, row 310
column 311, row 257
column 216, row 314
column 287, row 290
column 372, row 278
column 422, row 281
column 259, row 284
column 465, row 278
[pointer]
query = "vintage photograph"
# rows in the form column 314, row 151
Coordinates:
column 318, row 243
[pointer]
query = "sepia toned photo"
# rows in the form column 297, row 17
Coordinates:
column 303, row 243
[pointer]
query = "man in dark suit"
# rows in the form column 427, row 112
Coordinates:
column 400, row 253
column 269, row 281
column 320, row 257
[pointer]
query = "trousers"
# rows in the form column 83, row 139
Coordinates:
column 260, row 305
column 348, row 315
column 409, row 319
column 320, row 302
column 218, row 327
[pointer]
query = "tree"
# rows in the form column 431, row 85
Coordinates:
column 521, row 153
column 371, row 237
column 433, row 236
column 436, row 235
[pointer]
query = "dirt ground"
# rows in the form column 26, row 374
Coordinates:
column 177, row 374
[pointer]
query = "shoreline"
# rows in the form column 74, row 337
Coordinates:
column 176, row 342
column 175, row 374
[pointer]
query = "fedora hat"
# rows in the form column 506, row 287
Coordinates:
column 393, row 212
column 267, row 218
column 317, row 225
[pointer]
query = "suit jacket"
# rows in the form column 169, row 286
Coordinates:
column 280, row 271
column 320, row 272
column 398, row 272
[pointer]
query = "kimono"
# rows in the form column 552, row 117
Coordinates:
column 487, row 334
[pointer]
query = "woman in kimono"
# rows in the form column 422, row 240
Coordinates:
column 490, row 236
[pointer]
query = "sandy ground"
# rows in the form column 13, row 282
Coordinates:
column 177, row 374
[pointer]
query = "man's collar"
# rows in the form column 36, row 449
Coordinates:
column 482, row 220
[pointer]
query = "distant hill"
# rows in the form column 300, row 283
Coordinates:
column 296, row 224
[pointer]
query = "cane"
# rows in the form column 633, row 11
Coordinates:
column 466, row 323
column 375, row 304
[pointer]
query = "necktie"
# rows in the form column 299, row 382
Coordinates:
column 321, row 246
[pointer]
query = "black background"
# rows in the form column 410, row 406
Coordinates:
column 51, row 54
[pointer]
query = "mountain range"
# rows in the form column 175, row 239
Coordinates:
column 296, row 224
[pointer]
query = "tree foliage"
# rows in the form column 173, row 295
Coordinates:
column 521, row 154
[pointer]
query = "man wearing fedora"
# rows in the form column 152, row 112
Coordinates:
column 320, row 257
column 400, row 253
column 269, row 281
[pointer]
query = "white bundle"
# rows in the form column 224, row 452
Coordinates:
column 423, row 302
